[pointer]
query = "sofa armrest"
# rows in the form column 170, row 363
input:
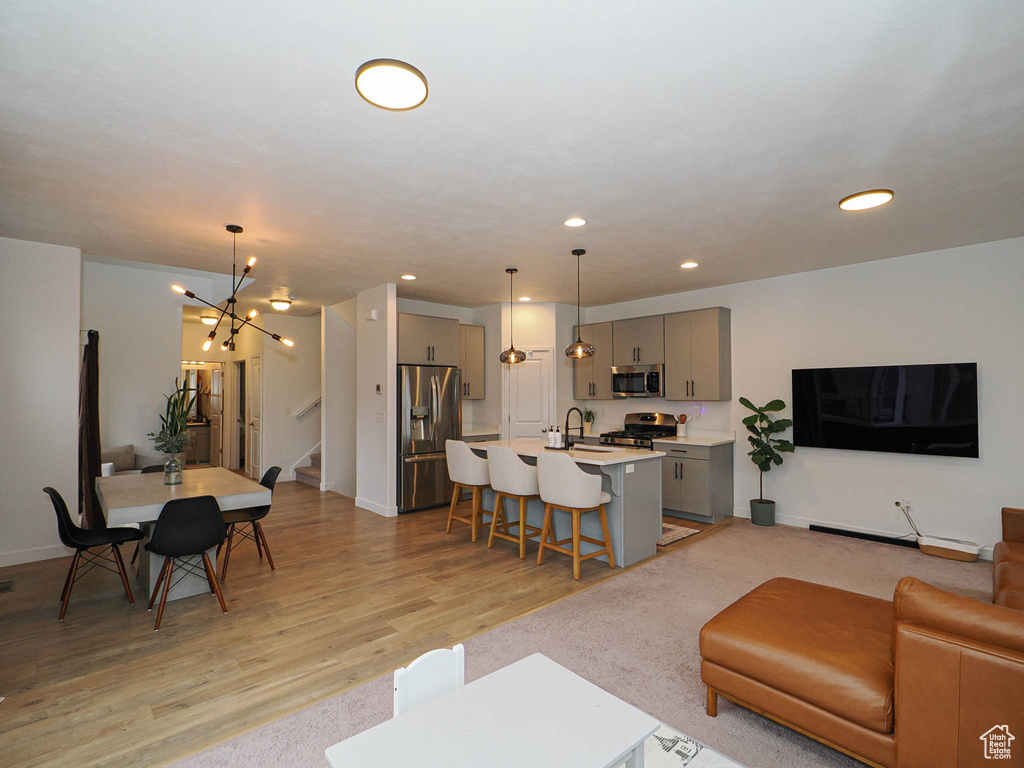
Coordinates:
column 959, row 667
column 1013, row 524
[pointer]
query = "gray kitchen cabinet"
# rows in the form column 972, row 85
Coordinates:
column 592, row 376
column 427, row 340
column 639, row 341
column 696, row 481
column 698, row 355
column 198, row 450
column 471, row 361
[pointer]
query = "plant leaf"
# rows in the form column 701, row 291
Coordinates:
column 748, row 404
column 774, row 405
column 750, row 420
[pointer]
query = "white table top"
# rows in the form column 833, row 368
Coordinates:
column 531, row 713
column 600, row 456
column 139, row 498
column 695, row 440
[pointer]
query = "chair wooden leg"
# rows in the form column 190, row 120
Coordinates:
column 227, row 553
column 494, row 518
column 211, row 574
column 124, row 575
column 259, row 545
column 163, row 597
column 451, row 509
column 69, row 583
column 260, row 536
column 135, row 554
column 712, row 702
column 607, row 536
column 544, row 533
column 576, row 544
column 522, row 527
column 159, row 581
column 476, row 514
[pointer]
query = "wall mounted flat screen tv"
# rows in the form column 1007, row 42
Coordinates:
column 925, row 409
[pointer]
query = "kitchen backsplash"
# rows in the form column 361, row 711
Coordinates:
column 704, row 416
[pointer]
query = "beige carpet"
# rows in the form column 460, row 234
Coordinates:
column 636, row 637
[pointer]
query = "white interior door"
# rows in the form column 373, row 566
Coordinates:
column 255, row 410
column 530, row 388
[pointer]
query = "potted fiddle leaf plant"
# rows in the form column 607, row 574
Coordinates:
column 768, row 450
column 589, row 417
column 174, row 437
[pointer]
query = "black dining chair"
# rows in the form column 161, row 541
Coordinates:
column 83, row 540
column 152, row 468
column 186, row 529
column 235, row 519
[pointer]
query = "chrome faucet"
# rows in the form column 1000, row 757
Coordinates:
column 568, row 441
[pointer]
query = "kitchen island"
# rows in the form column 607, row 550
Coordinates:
column 631, row 476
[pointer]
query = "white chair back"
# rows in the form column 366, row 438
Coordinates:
column 509, row 473
column 565, row 484
column 432, row 674
column 464, row 466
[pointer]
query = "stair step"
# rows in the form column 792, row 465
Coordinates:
column 308, row 475
column 315, row 459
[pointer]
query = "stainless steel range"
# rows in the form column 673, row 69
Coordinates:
column 641, row 429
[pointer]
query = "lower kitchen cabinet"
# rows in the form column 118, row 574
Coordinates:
column 696, row 481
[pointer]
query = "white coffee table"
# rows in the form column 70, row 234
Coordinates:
column 531, row 713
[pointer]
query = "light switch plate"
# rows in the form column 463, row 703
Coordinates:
column 630, row 468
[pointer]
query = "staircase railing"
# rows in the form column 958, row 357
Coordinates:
column 315, row 403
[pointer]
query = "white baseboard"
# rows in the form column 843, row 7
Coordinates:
column 806, row 522
column 32, row 555
column 380, row 509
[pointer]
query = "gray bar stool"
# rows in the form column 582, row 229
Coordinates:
column 466, row 470
column 511, row 478
column 566, row 487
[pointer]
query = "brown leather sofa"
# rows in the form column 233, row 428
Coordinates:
column 912, row 683
column 1008, row 562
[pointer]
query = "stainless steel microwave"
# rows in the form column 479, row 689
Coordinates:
column 638, row 381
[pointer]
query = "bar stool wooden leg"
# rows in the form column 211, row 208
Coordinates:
column 607, row 536
column 544, row 533
column 476, row 515
column 576, row 544
column 522, row 527
column 451, row 509
column 498, row 508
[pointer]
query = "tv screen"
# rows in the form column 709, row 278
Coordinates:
column 925, row 409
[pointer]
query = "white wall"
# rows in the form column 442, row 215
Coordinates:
column 39, row 315
column 338, row 385
column 376, row 437
column 486, row 413
column 413, row 307
column 291, row 380
column 957, row 305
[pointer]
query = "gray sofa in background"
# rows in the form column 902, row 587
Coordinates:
column 127, row 460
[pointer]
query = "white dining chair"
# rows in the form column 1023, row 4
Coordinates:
column 566, row 487
column 511, row 478
column 432, row 674
column 466, row 470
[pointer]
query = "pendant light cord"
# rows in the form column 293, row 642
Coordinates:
column 511, row 342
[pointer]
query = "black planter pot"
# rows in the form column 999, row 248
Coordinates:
column 762, row 512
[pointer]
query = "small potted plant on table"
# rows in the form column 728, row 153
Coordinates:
column 174, row 437
column 767, row 452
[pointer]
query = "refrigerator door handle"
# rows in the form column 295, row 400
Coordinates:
column 420, row 457
column 434, row 412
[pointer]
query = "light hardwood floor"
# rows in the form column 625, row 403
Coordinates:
column 355, row 595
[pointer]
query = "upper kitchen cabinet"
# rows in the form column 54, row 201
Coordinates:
column 592, row 376
column 698, row 355
column 639, row 341
column 427, row 340
column 471, row 361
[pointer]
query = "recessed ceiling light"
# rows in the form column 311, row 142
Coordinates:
column 525, row 298
column 408, row 277
column 280, row 304
column 575, row 221
column 688, row 264
column 862, row 201
column 391, row 84
column 208, row 320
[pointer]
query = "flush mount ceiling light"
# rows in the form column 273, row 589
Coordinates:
column 408, row 277
column 575, row 221
column 391, row 84
column 208, row 320
column 280, row 304
column 525, row 298
column 228, row 310
column 579, row 348
column 689, row 264
column 862, row 201
column 511, row 356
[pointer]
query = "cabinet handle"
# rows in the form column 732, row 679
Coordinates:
column 638, row 354
column 687, row 387
column 675, row 470
column 693, row 388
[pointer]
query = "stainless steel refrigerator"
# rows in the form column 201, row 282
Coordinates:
column 429, row 412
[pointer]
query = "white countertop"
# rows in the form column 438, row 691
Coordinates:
column 600, row 456
column 705, row 441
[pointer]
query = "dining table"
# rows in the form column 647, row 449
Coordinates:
column 139, row 498
column 532, row 712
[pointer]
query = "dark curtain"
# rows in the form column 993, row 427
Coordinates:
column 89, row 434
